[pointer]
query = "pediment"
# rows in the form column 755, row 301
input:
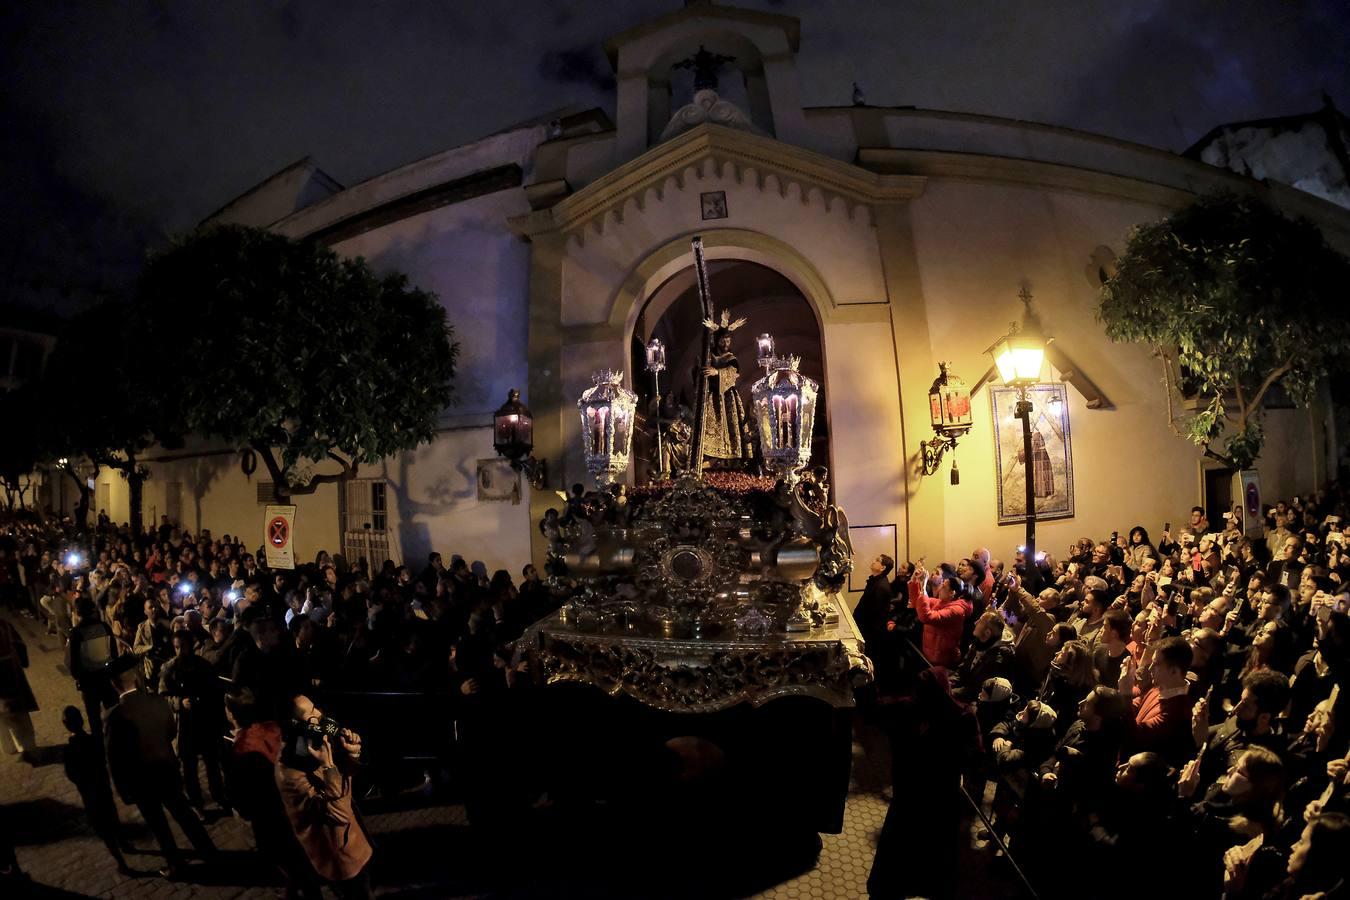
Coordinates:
column 770, row 164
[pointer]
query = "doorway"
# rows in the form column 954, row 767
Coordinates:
column 1218, row 496
column 770, row 304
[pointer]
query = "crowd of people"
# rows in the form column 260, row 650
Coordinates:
column 1166, row 715
column 1178, row 702
column 191, row 657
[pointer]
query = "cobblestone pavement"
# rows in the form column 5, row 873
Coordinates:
column 421, row 852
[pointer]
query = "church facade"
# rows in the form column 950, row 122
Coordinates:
column 874, row 243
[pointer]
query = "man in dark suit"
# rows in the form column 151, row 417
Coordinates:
column 139, row 738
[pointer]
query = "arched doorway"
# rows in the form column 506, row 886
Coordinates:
column 767, row 300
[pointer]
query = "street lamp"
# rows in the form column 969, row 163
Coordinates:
column 1018, row 356
column 513, row 438
column 656, row 364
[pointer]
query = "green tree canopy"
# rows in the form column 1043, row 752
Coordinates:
column 282, row 346
column 1235, row 298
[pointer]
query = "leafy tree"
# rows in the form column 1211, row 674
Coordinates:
column 102, row 397
column 282, row 346
column 1235, row 298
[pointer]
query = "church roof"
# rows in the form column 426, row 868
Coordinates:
column 693, row 11
column 300, row 184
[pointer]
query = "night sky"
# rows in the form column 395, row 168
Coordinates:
column 131, row 120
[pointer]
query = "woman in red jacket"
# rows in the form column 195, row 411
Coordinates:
column 943, row 616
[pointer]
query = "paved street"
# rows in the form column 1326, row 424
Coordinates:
column 420, row 852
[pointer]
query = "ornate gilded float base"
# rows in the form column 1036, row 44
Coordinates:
column 698, row 675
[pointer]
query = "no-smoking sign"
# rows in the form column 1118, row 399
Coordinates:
column 278, row 534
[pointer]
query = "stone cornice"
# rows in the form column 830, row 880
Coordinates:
column 719, row 147
column 981, row 167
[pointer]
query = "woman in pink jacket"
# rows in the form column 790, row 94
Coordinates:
column 943, row 616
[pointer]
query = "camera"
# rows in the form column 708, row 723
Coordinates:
column 231, row 595
column 325, row 727
column 184, row 587
column 73, row 559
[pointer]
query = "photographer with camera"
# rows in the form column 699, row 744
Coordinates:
column 314, row 776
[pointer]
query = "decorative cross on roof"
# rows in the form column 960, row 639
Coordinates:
column 705, row 66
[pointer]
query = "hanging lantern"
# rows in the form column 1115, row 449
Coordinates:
column 607, row 426
column 785, row 406
column 656, row 356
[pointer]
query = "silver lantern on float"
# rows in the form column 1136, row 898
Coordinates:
column 785, row 407
column 607, row 411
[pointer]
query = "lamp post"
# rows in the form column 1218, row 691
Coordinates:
column 1018, row 356
column 656, row 364
column 513, row 438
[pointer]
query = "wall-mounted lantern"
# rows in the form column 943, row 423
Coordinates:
column 513, row 438
column 950, row 414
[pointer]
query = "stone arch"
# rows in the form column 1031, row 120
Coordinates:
column 664, row 264
column 660, row 264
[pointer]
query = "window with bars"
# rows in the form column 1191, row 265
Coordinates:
column 365, row 521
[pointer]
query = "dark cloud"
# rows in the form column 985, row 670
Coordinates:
column 129, row 121
column 578, row 65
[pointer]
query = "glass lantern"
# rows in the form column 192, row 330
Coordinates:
column 1018, row 356
column 656, row 356
column 949, row 404
column 513, row 428
column 785, row 406
column 764, row 351
column 607, row 411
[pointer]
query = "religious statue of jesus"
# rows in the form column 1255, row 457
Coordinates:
column 726, row 434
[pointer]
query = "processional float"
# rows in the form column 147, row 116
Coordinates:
column 702, row 590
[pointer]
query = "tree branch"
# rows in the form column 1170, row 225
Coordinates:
column 1167, row 387
column 280, row 486
column 1266, row 386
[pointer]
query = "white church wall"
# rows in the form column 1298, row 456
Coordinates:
column 976, row 244
column 433, row 505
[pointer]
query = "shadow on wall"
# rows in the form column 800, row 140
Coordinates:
column 480, row 274
column 415, row 536
column 199, row 472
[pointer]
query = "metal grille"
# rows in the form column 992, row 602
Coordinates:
column 267, row 493
column 365, row 522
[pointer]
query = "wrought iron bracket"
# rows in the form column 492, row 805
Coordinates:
column 535, row 471
column 933, row 451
